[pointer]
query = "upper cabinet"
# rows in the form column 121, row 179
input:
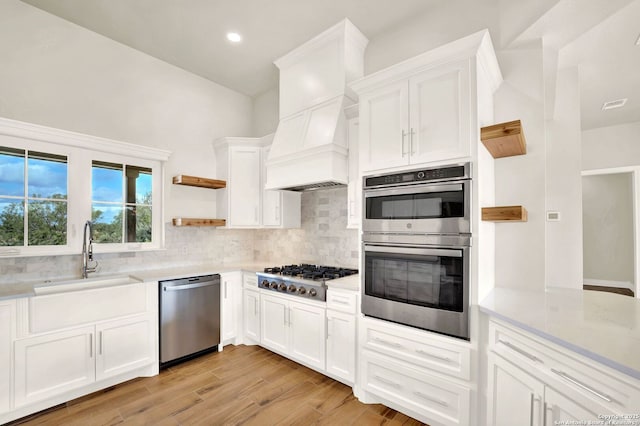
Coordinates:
column 426, row 109
column 244, row 203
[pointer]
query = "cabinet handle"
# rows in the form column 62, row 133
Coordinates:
column 100, row 343
column 531, row 410
column 255, row 307
column 328, row 327
column 430, row 398
column 403, row 136
column 90, row 345
column 582, row 385
column 340, row 302
column 520, row 351
column 290, row 317
column 545, row 410
column 388, row 343
column 429, row 354
column 387, row 382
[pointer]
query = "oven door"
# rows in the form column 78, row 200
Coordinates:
column 425, row 287
column 442, row 208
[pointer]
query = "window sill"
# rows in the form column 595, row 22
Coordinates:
column 8, row 253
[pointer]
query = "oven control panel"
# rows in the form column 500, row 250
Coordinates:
column 416, row 176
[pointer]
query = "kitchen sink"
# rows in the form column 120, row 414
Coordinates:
column 51, row 287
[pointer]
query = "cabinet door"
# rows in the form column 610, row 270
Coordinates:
column 559, row 409
column 52, row 364
column 515, row 397
column 7, row 317
column 341, row 345
column 251, row 316
column 384, row 118
column 124, row 345
column 244, row 186
column 274, row 323
column 230, row 304
column 439, row 114
column 271, row 200
column 307, row 328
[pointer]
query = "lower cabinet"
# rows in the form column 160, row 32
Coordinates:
column 251, row 314
column 230, row 306
column 51, row 364
column 341, row 346
column 7, row 322
column 295, row 329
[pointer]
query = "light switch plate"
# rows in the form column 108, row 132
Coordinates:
column 553, row 216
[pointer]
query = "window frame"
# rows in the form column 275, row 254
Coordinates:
column 80, row 151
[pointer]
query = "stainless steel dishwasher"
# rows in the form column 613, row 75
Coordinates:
column 189, row 317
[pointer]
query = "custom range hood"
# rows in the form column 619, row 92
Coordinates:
column 309, row 149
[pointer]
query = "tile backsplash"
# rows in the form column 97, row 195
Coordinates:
column 322, row 239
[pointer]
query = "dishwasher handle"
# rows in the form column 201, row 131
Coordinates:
column 189, row 286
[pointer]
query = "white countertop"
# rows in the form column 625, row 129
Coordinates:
column 352, row 282
column 602, row 326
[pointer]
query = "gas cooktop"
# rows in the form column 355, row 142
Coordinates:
column 302, row 280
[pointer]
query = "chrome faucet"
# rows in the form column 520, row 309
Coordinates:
column 87, row 251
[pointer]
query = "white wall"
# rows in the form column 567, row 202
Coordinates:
column 608, row 228
column 564, row 185
column 614, row 146
column 266, row 112
column 61, row 75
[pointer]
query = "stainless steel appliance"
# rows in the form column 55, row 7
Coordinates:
column 433, row 200
column 302, row 280
column 416, row 248
column 189, row 317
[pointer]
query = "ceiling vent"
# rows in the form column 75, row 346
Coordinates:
column 614, row 104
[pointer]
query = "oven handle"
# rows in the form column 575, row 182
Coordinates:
column 413, row 189
column 413, row 250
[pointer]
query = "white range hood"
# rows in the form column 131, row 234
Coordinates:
column 309, row 149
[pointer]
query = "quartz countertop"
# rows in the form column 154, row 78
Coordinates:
column 602, row 326
column 352, row 282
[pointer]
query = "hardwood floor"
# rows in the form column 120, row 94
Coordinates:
column 246, row 385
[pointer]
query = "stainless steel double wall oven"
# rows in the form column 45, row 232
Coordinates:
column 416, row 247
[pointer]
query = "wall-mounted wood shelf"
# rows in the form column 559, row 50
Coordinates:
column 504, row 214
column 504, row 139
column 199, row 182
column 185, row 221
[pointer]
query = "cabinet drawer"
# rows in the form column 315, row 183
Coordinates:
column 342, row 300
column 588, row 381
column 434, row 399
column 250, row 280
column 424, row 349
column 57, row 311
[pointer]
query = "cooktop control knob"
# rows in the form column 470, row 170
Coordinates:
column 292, row 288
column 265, row 284
column 282, row 287
column 302, row 290
column 273, row 285
column 313, row 292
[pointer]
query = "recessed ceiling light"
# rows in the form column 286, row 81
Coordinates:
column 234, row 37
column 614, row 104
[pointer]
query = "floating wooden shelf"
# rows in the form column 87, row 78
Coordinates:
column 504, row 214
column 199, row 182
column 504, row 139
column 185, row 221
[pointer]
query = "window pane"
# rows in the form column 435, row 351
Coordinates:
column 11, row 222
column 107, row 220
column 47, row 223
column 138, row 185
column 11, row 171
column 47, row 175
column 106, row 182
column 138, row 224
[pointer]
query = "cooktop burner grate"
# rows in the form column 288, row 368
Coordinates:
column 311, row 272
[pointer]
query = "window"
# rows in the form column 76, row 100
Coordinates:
column 121, row 203
column 33, row 198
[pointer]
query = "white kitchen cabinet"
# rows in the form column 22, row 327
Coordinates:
column 124, row 345
column 354, row 186
column 244, row 203
column 559, row 408
column 421, row 119
column 280, row 209
column 295, row 329
column 230, row 306
column 251, row 314
column 341, row 346
column 52, row 364
column 7, row 323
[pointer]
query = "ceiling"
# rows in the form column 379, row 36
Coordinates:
column 598, row 36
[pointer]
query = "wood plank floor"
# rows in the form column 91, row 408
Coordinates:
column 246, row 385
